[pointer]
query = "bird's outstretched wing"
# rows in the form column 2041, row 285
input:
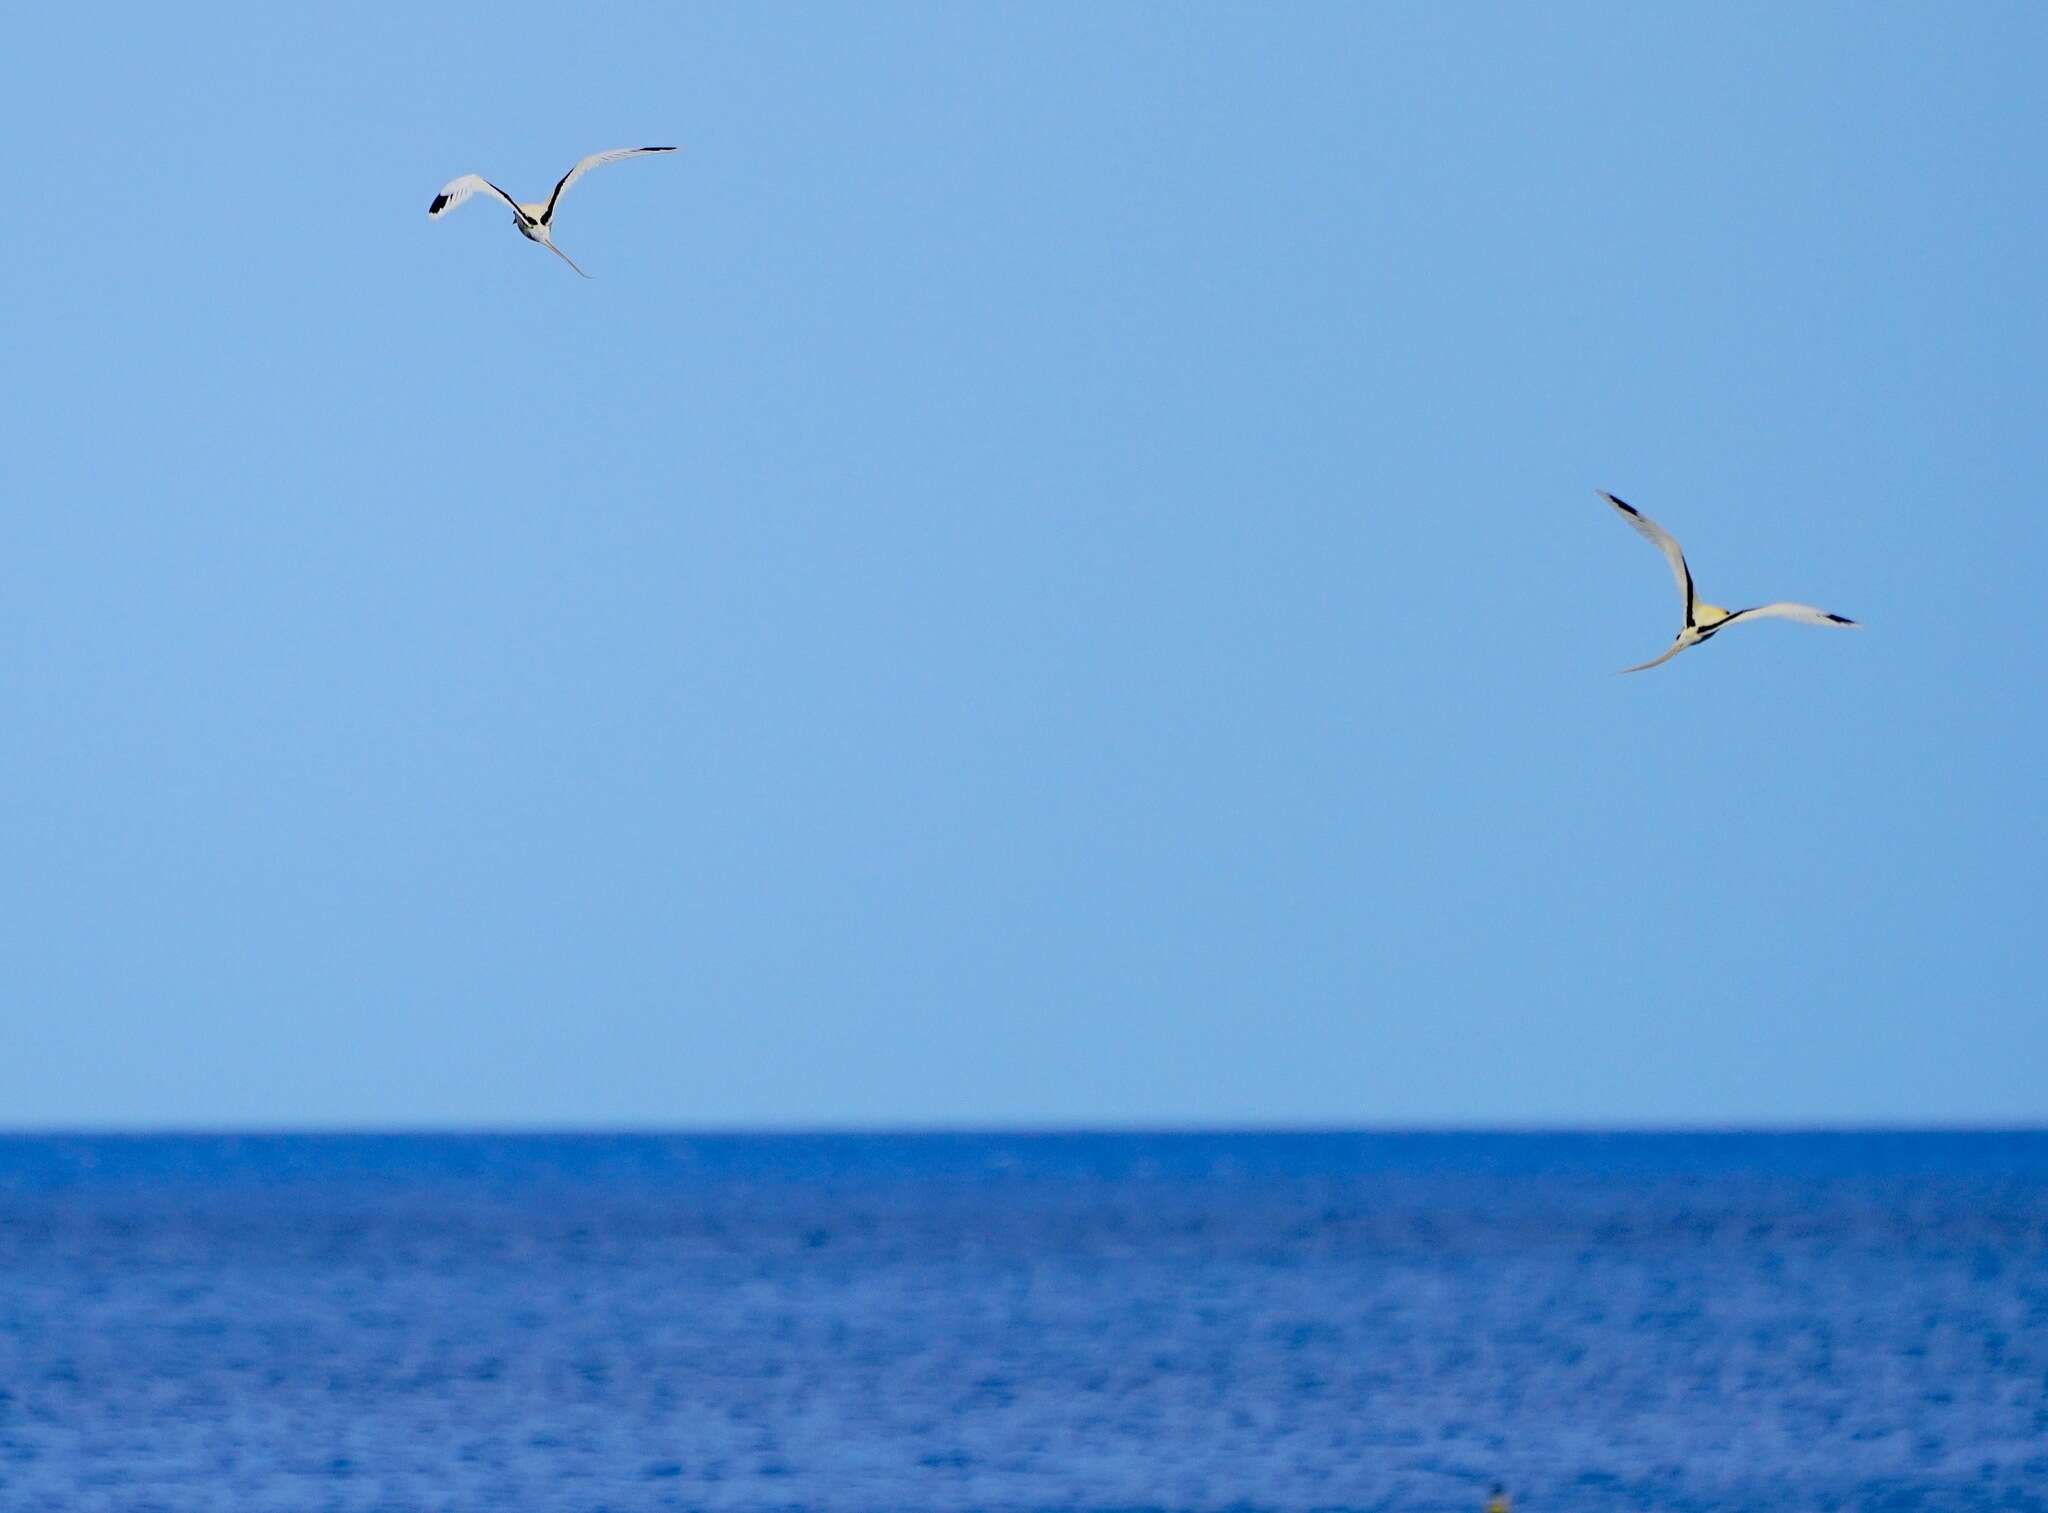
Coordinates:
column 1660, row 538
column 455, row 191
column 1676, row 648
column 1805, row 614
column 595, row 160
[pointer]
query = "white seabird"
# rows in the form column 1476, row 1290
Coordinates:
column 534, row 220
column 1703, row 621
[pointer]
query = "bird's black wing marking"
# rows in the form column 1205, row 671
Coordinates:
column 548, row 214
column 508, row 200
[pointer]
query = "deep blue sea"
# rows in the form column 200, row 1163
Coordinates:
column 891, row 1324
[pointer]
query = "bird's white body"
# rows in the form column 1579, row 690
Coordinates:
column 1703, row 620
column 534, row 220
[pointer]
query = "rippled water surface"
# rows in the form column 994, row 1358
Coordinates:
column 1015, row 1322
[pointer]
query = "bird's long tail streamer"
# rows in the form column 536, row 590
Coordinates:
column 558, row 252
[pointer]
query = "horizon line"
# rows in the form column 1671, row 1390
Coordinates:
column 937, row 1129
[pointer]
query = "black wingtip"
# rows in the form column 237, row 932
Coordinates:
column 1621, row 504
column 439, row 201
column 1839, row 619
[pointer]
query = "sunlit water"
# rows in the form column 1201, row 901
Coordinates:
column 1005, row 1322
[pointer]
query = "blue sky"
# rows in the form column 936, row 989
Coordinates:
column 1052, row 575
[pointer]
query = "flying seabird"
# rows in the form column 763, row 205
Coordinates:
column 532, row 220
column 1703, row 621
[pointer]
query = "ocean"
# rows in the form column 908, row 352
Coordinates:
column 896, row 1324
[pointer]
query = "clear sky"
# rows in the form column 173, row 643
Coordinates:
column 1052, row 575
